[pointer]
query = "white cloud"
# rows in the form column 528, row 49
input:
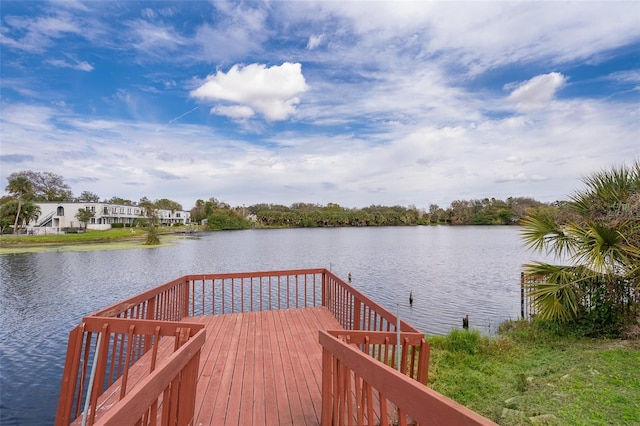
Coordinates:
column 631, row 77
column 537, row 92
column 235, row 112
column 76, row 65
column 148, row 13
column 315, row 41
column 36, row 34
column 478, row 35
column 239, row 30
column 271, row 91
column 155, row 38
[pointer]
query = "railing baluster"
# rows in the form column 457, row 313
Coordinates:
column 127, row 361
column 213, row 296
column 222, row 289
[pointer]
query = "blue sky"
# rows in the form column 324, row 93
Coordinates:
column 355, row 103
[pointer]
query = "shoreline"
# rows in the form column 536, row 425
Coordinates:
column 124, row 243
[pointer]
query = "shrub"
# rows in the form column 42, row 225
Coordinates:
column 463, row 341
column 117, row 225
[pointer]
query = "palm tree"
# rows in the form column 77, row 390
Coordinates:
column 597, row 233
column 21, row 188
column 30, row 212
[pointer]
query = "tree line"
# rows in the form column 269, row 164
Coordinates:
column 27, row 188
column 220, row 215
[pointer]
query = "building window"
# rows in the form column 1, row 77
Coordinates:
column 60, row 211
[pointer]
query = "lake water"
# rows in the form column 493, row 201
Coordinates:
column 452, row 272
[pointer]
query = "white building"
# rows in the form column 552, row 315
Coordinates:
column 58, row 215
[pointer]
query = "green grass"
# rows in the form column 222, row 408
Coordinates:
column 88, row 236
column 526, row 373
column 112, row 239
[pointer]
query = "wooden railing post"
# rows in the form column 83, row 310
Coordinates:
column 325, row 284
column 70, row 376
column 151, row 309
column 327, row 400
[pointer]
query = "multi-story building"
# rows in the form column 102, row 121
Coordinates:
column 58, row 215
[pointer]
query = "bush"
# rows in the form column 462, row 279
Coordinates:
column 224, row 220
column 117, row 225
column 463, row 341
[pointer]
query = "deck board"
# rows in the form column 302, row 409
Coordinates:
column 263, row 366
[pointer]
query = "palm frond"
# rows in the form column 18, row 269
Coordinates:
column 557, row 291
column 540, row 230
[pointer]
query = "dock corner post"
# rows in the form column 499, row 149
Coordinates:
column 69, row 376
column 324, row 288
column 326, row 416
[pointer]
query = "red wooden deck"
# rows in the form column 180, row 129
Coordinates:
column 194, row 351
column 262, row 368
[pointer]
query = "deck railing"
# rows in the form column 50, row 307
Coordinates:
column 214, row 294
column 109, row 357
column 359, row 389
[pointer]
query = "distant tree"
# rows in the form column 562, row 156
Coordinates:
column 22, row 189
column 8, row 213
column 118, row 200
column 84, row 216
column 308, row 207
column 436, row 214
column 9, row 209
column 46, row 186
column 204, row 209
column 460, row 212
column 166, row 204
column 88, row 197
column 521, row 206
column 151, row 213
column 227, row 219
column 5, row 222
column 30, row 212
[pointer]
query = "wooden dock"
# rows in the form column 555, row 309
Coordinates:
column 299, row 347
